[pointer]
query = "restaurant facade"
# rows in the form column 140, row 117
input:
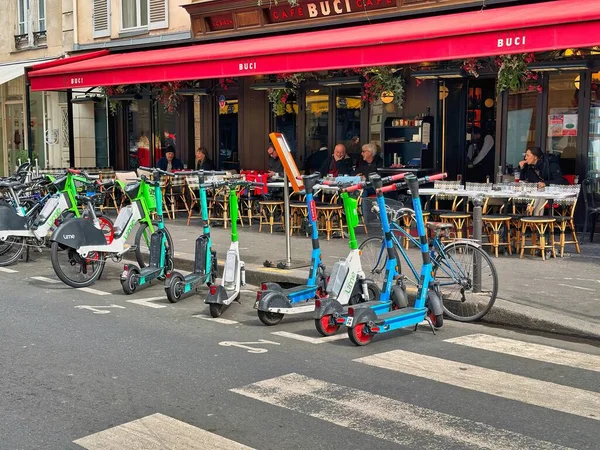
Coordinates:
column 423, row 79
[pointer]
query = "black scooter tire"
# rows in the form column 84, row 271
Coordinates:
column 216, row 309
column 55, row 249
column 269, row 318
column 359, row 336
column 174, row 287
column 129, row 284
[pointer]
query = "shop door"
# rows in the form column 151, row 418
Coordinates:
column 15, row 134
column 481, row 130
column 228, row 134
column 453, row 106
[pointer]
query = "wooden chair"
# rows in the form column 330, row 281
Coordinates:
column 564, row 213
column 269, row 210
column 538, row 225
column 330, row 217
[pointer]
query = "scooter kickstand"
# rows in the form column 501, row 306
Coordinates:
column 430, row 325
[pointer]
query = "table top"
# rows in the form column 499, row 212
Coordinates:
column 500, row 194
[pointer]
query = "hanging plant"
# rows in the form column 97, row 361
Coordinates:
column 166, row 94
column 514, row 73
column 379, row 80
column 472, row 67
column 225, row 83
column 109, row 91
column 280, row 97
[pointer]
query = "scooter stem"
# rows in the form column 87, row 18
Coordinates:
column 233, row 208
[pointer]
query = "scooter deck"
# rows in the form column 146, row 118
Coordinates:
column 296, row 308
column 300, row 293
column 401, row 318
column 195, row 278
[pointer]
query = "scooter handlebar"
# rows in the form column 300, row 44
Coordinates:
column 156, row 170
column 426, row 179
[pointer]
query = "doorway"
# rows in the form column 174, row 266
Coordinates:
column 15, row 133
column 228, row 133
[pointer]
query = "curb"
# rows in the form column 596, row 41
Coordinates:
column 504, row 312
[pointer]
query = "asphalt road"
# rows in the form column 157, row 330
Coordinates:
column 99, row 369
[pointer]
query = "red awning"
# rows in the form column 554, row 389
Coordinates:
column 515, row 29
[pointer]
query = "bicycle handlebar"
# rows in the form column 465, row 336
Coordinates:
column 423, row 180
column 156, row 170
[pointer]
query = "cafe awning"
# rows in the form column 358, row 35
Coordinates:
column 514, row 29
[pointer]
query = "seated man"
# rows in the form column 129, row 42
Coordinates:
column 169, row 162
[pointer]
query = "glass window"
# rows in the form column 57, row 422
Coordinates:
column 41, row 15
column 138, row 133
column 286, row 125
column 22, row 8
column 594, row 144
column 563, row 109
column 36, row 106
column 520, row 133
column 317, row 120
column 348, row 105
column 134, row 13
column 228, row 135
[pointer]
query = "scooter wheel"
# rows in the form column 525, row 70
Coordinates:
column 175, row 287
column 216, row 309
column 130, row 283
column 359, row 335
column 326, row 326
column 437, row 321
column 269, row 318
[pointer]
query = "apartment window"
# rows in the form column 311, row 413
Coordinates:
column 134, row 14
column 22, row 12
column 41, row 15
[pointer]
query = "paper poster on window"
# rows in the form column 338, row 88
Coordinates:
column 562, row 125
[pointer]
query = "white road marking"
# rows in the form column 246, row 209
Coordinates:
column 99, row 309
column 576, row 287
column 148, row 302
column 157, row 432
column 246, row 345
column 493, row 382
column 7, row 270
column 46, row 280
column 527, row 350
column 311, row 340
column 385, row 418
column 93, row 291
column 215, row 319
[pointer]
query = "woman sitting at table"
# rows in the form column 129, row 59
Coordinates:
column 536, row 168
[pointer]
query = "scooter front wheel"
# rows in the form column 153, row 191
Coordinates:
column 326, row 325
column 437, row 321
column 269, row 318
column 175, row 287
column 360, row 335
column 130, row 283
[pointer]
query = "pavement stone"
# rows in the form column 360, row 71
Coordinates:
column 559, row 295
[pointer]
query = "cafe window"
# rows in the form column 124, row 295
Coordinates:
column 348, row 105
column 594, row 139
column 317, row 120
column 138, row 134
column 563, row 127
column 521, row 125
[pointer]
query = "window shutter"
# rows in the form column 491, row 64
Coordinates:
column 159, row 14
column 101, row 18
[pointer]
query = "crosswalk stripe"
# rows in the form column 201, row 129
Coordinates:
column 148, row 302
column 385, row 418
column 46, row 280
column 215, row 319
column 309, row 339
column 493, row 382
column 528, row 350
column 157, row 432
column 93, row 291
column 7, row 270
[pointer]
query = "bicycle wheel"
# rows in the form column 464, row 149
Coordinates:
column 142, row 244
column 11, row 250
column 465, row 296
column 74, row 270
column 374, row 258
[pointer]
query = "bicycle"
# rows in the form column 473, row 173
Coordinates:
column 467, row 294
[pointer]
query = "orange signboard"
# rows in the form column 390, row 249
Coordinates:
column 287, row 159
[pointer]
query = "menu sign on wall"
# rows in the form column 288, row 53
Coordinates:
column 562, row 125
column 328, row 8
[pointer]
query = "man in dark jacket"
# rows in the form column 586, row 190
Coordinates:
column 169, row 162
column 337, row 164
column 370, row 161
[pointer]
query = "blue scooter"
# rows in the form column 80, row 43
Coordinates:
column 273, row 301
column 367, row 319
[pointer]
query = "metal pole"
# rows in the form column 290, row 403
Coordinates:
column 477, row 228
column 286, row 215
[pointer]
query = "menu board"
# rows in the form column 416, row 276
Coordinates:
column 562, row 125
column 287, row 159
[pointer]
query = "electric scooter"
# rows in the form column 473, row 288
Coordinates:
column 234, row 273
column 273, row 301
column 205, row 261
column 161, row 254
column 367, row 319
column 348, row 278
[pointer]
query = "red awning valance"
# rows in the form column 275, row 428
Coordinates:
column 515, row 29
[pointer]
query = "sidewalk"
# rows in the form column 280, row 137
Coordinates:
column 559, row 295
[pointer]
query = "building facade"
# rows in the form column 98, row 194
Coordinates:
column 223, row 74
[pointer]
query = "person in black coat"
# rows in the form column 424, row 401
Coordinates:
column 370, row 161
column 203, row 162
column 538, row 168
column 169, row 162
column 337, row 164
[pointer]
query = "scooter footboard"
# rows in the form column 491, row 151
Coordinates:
column 219, row 296
column 360, row 314
column 326, row 307
column 273, row 299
